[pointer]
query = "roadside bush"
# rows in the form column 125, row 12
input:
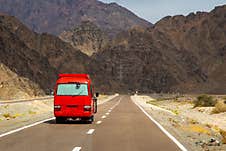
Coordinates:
column 176, row 112
column 223, row 134
column 8, row 116
column 31, row 112
column 224, row 100
column 204, row 101
column 152, row 102
column 219, row 107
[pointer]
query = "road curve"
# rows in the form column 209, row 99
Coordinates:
column 119, row 126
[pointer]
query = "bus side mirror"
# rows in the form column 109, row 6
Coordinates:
column 97, row 94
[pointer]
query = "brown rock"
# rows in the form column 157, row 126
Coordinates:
column 86, row 37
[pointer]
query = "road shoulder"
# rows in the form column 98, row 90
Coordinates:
column 194, row 136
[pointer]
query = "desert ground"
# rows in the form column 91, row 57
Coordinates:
column 199, row 128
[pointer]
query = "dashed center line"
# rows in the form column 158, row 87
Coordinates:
column 104, row 116
column 77, row 149
column 116, row 104
column 98, row 122
column 90, row 131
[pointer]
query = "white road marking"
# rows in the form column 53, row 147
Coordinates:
column 90, row 131
column 98, row 122
column 103, row 117
column 77, row 149
column 162, row 129
column 27, row 126
column 108, row 99
column 116, row 104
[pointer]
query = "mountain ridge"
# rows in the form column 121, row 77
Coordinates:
column 56, row 16
column 178, row 54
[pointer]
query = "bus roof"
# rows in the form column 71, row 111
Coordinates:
column 72, row 78
column 73, row 75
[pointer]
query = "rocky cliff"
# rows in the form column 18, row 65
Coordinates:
column 86, row 37
column 37, row 57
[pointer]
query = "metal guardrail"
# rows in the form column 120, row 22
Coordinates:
column 25, row 100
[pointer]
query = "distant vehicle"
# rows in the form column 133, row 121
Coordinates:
column 74, row 98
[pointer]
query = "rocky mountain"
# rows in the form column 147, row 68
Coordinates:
column 86, row 37
column 55, row 16
column 204, row 36
column 36, row 57
column 19, row 58
column 178, row 54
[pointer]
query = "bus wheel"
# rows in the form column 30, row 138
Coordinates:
column 90, row 120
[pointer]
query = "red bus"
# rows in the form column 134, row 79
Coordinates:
column 74, row 98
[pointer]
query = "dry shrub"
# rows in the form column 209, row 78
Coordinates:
column 197, row 128
column 204, row 101
column 8, row 116
column 223, row 134
column 152, row 102
column 176, row 112
column 220, row 107
column 31, row 112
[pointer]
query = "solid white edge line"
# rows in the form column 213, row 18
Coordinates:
column 90, row 131
column 162, row 129
column 24, row 127
column 77, row 149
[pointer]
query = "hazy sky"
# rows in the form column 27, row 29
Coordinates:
column 153, row 10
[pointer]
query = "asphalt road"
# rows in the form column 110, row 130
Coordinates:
column 119, row 126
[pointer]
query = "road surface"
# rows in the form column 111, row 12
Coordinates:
column 119, row 126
